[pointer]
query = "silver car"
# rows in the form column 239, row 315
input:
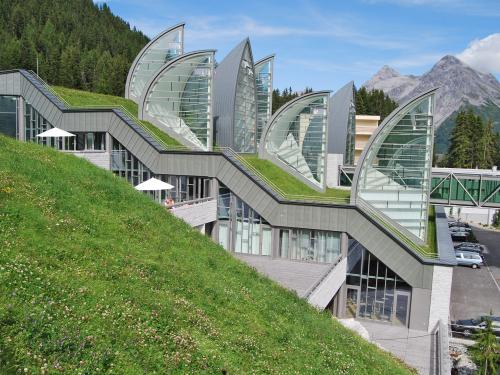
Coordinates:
column 470, row 259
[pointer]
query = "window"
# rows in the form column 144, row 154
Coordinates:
column 309, row 245
column 247, row 232
column 383, row 295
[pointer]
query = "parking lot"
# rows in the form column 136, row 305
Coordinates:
column 476, row 292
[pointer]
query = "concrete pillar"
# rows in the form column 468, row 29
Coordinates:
column 21, row 119
column 342, row 293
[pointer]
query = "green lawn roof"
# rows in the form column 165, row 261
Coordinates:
column 95, row 277
column 290, row 185
column 85, row 99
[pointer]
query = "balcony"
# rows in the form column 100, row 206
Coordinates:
column 196, row 212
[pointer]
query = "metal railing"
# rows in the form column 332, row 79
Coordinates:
column 192, row 202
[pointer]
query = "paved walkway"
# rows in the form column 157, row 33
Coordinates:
column 413, row 347
column 297, row 276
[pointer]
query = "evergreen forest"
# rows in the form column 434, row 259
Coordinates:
column 76, row 44
column 473, row 144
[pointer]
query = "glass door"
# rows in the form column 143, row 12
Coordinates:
column 352, row 302
column 402, row 308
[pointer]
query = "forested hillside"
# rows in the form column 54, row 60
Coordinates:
column 78, row 44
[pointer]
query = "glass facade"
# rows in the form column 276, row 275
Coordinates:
column 36, row 124
column 241, row 229
column 180, row 99
column 264, row 87
column 373, row 290
column 309, row 245
column 126, row 165
column 165, row 48
column 8, row 116
column 245, row 113
column 351, row 134
column 185, row 188
column 395, row 175
column 297, row 136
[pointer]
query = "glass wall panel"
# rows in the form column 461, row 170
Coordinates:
column 395, row 174
column 263, row 80
column 180, row 99
column 89, row 141
column 351, row 135
column 309, row 245
column 165, row 48
column 247, row 232
column 245, row 113
column 297, row 136
column 185, row 188
column 36, row 124
column 374, row 290
column 8, row 116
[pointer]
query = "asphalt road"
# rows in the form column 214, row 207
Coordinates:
column 477, row 292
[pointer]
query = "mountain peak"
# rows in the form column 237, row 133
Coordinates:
column 387, row 72
column 459, row 84
column 450, row 60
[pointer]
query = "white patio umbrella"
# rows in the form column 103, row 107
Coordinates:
column 153, row 184
column 55, row 133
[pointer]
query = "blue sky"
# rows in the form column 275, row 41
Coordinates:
column 325, row 44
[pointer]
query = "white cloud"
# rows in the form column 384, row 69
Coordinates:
column 483, row 54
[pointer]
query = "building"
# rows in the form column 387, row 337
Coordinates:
column 366, row 257
column 365, row 127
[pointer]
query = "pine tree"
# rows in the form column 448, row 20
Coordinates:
column 486, row 350
column 375, row 102
column 459, row 152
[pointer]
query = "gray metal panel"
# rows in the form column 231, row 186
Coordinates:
column 225, row 78
column 338, row 119
column 10, row 83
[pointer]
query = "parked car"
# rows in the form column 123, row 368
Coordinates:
column 459, row 235
column 460, row 229
column 468, row 258
column 458, row 224
column 470, row 245
column 469, row 250
column 468, row 327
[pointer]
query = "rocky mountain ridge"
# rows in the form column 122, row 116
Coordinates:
column 460, row 86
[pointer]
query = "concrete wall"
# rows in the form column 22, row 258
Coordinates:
column 442, row 278
column 323, row 294
column 333, row 162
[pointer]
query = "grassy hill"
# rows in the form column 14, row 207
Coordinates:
column 97, row 278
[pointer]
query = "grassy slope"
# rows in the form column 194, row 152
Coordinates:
column 78, row 98
column 290, row 184
column 96, row 277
